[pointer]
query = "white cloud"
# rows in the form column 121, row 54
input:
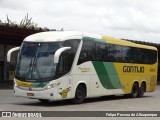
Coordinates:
column 138, row 19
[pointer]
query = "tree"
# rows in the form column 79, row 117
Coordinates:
column 26, row 22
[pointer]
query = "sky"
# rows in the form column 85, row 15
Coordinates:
column 129, row 19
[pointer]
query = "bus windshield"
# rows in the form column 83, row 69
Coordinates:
column 36, row 60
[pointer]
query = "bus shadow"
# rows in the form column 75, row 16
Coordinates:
column 69, row 102
column 110, row 98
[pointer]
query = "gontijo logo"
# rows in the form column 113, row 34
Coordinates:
column 133, row 69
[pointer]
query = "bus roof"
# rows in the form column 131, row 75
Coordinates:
column 126, row 43
column 52, row 36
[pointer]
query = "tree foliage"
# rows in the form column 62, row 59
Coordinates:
column 25, row 22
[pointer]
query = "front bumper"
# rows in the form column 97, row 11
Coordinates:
column 49, row 94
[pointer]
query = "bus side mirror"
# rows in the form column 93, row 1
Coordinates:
column 10, row 51
column 58, row 53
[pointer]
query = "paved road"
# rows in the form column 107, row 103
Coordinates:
column 150, row 102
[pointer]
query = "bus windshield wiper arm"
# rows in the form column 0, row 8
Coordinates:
column 30, row 65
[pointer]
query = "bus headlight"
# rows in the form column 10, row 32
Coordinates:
column 49, row 86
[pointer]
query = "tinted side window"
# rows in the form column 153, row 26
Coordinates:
column 126, row 54
column 118, row 53
column 153, row 56
column 101, row 51
column 98, row 51
column 88, row 52
column 111, row 53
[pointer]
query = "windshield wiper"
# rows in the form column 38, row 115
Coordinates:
column 30, row 65
column 34, row 66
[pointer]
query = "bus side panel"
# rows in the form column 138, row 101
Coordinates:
column 86, row 72
column 128, row 75
column 95, row 86
column 152, row 83
column 80, row 79
column 82, row 74
column 108, row 78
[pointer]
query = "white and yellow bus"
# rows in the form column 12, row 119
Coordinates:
column 59, row 65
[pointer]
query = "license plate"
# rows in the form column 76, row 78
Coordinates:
column 30, row 94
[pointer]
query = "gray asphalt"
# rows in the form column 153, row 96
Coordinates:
column 150, row 102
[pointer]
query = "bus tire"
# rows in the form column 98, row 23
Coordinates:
column 79, row 95
column 135, row 90
column 43, row 100
column 142, row 90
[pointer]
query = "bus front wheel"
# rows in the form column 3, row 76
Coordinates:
column 135, row 90
column 79, row 95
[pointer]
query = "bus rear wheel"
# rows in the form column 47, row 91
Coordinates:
column 142, row 89
column 79, row 95
column 135, row 90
